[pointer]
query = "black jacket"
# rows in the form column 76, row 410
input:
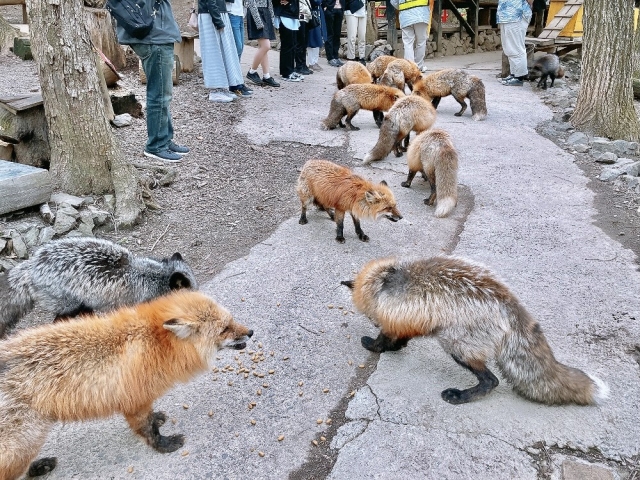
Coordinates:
column 328, row 5
column 213, row 8
column 290, row 10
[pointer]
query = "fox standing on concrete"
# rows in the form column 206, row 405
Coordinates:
column 475, row 318
column 79, row 275
column 352, row 72
column 352, row 98
column 432, row 153
column 379, row 65
column 96, row 366
column 547, row 66
column 333, row 187
column 454, row 82
column 408, row 113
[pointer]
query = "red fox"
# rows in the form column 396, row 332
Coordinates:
column 333, row 187
column 432, row 153
column 408, row 113
column 457, row 83
column 352, row 98
column 409, row 69
column 94, row 366
column 475, row 318
column 352, row 72
column 547, row 66
column 379, row 65
column 392, row 77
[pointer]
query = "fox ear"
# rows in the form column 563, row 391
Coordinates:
column 348, row 283
column 178, row 280
column 371, row 197
column 180, row 328
column 176, row 257
column 384, row 183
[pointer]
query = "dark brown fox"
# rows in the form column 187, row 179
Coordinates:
column 352, row 98
column 411, row 113
column 476, row 318
column 454, row 82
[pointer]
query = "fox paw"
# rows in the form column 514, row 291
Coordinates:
column 453, row 396
column 406, row 184
column 158, row 419
column 363, row 237
column 354, row 129
column 303, row 221
column 340, row 239
column 370, row 344
column 42, row 466
column 168, row 444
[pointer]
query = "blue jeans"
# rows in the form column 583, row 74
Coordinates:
column 237, row 25
column 157, row 63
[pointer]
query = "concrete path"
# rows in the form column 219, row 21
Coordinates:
column 524, row 210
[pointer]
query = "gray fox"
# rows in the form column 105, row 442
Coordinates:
column 475, row 318
column 547, row 66
column 80, row 275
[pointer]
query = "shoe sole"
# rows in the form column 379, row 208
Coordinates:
column 151, row 155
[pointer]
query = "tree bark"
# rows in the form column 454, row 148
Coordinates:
column 605, row 101
column 103, row 36
column 7, row 34
column 85, row 157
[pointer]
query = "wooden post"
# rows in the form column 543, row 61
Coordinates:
column 438, row 15
column 186, row 51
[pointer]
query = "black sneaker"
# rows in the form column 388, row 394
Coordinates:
column 303, row 71
column 254, row 78
column 245, row 90
column 166, row 155
column 270, row 82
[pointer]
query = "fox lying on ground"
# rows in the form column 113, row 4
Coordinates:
column 352, row 72
column 432, row 153
column 409, row 113
column 352, row 98
column 94, row 366
column 475, row 318
column 547, row 66
column 454, row 82
column 81, row 275
column 333, row 187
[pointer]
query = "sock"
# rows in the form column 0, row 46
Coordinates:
column 251, row 70
column 266, row 75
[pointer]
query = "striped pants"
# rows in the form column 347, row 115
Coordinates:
column 220, row 64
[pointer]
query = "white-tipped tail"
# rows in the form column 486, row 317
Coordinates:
column 444, row 207
column 479, row 116
column 367, row 159
column 602, row 390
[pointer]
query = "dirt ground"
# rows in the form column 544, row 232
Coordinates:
column 229, row 195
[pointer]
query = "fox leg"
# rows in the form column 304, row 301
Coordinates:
column 72, row 312
column 320, row 207
column 146, row 423
column 339, row 219
column 463, row 104
column 432, row 183
column 410, row 177
column 553, row 79
column 378, row 116
column 347, row 120
column 435, row 101
column 397, row 146
column 542, row 83
column 487, row 381
column 383, row 343
column 359, row 232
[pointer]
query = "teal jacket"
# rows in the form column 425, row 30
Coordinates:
column 165, row 28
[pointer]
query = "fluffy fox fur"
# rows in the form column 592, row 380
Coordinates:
column 475, row 318
column 79, row 275
column 333, row 187
column 457, row 83
column 379, row 65
column 408, row 113
column 352, row 72
column 432, row 153
column 393, row 76
column 547, row 66
column 352, row 98
column 409, row 69
column 95, row 366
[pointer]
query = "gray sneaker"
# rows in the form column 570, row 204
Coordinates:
column 219, row 97
column 166, row 155
column 505, row 79
column 513, row 82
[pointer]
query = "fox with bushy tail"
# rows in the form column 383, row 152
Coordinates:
column 475, row 318
column 547, row 66
column 79, row 275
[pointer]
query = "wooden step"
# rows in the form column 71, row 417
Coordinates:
column 561, row 19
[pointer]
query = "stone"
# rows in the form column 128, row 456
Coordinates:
column 629, row 180
column 563, row 127
column 632, row 169
column 19, row 246
column 577, row 138
column 581, row 148
column 46, row 235
column 599, row 145
column 31, row 236
column 86, row 224
column 609, row 174
column 7, row 264
column 64, row 223
column 100, row 217
column 110, row 202
column 68, row 210
column 61, row 197
column 122, row 120
column 574, row 470
column 22, row 48
column 607, row 158
column 621, row 146
column 3, row 243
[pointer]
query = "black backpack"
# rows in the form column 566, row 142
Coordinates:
column 132, row 16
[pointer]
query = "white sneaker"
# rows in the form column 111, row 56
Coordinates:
column 219, row 97
column 423, row 69
column 229, row 94
column 299, row 75
column 292, row 78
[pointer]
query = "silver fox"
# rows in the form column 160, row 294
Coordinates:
column 72, row 276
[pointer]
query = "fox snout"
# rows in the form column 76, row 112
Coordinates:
column 237, row 338
column 395, row 215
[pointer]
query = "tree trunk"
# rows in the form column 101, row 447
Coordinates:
column 103, row 36
column 84, row 152
column 372, row 25
column 7, row 34
column 605, row 101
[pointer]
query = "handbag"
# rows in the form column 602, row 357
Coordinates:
column 315, row 19
column 132, row 16
column 193, row 17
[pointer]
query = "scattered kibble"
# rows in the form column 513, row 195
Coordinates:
column 361, row 365
column 265, row 385
column 230, row 383
column 286, row 358
column 211, row 413
column 352, row 393
column 258, row 392
column 300, row 384
column 326, row 390
column 272, row 353
column 330, row 305
column 315, row 442
column 300, row 394
column 323, row 439
column 130, row 469
column 185, row 453
column 259, row 344
column 319, row 421
column 185, row 406
column 271, row 372
column 253, row 422
column 242, row 299
column 174, row 421
column 261, row 454
column 328, row 421
column 280, row 438
column 350, row 362
column 278, row 304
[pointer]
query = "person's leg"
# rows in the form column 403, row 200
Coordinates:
column 513, row 47
column 352, row 30
column 362, row 37
column 157, row 63
column 337, row 31
column 328, row 44
column 237, row 25
column 420, row 46
column 313, row 54
column 408, row 41
column 287, row 47
column 300, row 53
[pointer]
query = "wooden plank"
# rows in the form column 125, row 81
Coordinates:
column 22, row 186
column 539, row 42
column 20, row 103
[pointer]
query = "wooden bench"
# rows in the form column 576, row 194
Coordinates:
column 25, row 17
column 185, row 50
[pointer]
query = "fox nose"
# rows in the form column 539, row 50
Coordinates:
column 250, row 333
column 399, row 216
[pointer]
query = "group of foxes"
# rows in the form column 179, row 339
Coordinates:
column 127, row 328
